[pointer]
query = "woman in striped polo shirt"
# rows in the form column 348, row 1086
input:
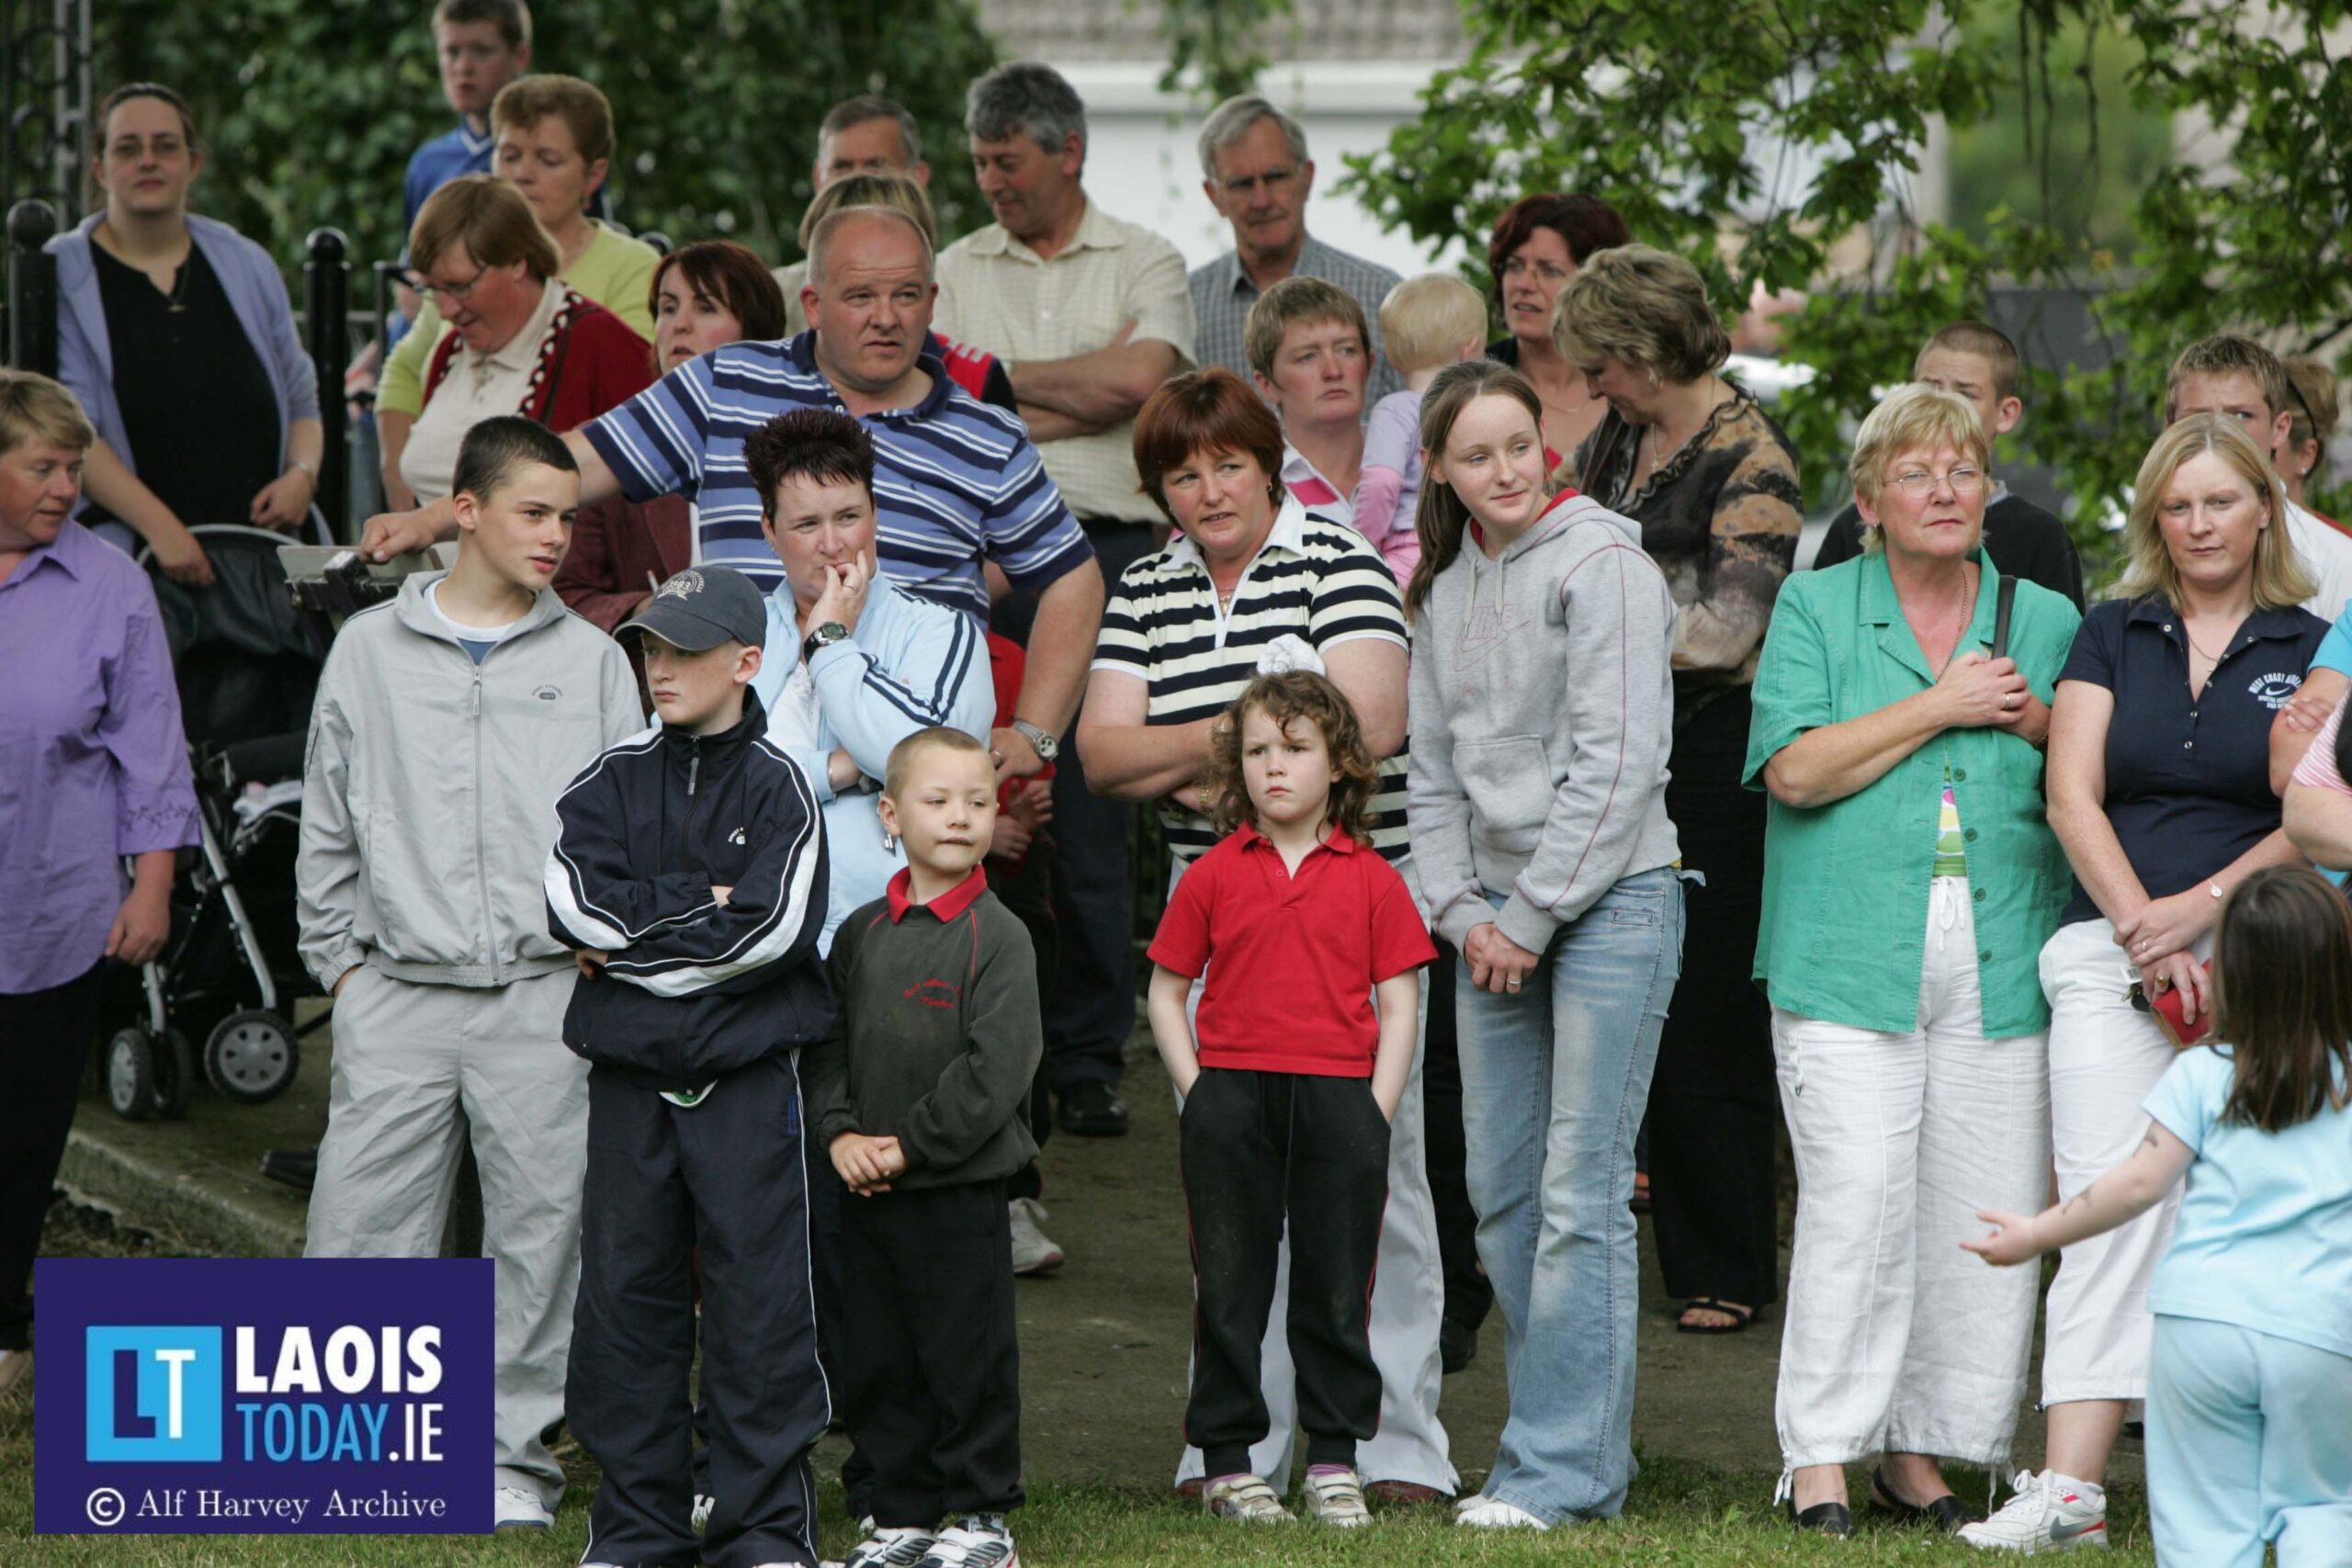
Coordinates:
column 1247, row 569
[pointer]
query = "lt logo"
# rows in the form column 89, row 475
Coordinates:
column 153, row 1395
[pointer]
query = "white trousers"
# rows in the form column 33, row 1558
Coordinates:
column 416, row 1069
column 2105, row 1058
column 1895, row 1339
column 1408, row 1302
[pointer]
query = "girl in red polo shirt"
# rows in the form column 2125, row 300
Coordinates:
column 1311, row 948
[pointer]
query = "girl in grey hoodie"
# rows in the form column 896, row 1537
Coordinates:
column 1541, row 716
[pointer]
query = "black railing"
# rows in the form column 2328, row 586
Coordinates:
column 32, row 288
column 326, row 284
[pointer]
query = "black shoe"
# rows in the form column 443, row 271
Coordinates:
column 1947, row 1513
column 1830, row 1518
column 1457, row 1344
column 295, row 1167
column 1093, row 1110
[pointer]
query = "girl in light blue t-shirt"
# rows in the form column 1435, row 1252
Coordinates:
column 2250, row 1386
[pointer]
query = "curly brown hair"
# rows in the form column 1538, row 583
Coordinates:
column 1294, row 694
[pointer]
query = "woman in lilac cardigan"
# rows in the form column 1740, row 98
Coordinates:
column 177, row 333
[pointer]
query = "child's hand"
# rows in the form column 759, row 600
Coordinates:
column 864, row 1162
column 590, row 961
column 720, row 894
column 2009, row 1242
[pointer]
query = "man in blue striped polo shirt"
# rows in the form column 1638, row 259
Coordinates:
column 956, row 482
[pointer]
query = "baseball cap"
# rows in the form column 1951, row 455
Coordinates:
column 701, row 608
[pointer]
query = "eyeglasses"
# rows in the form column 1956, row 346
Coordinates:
column 457, row 293
column 1273, row 179
column 1915, row 482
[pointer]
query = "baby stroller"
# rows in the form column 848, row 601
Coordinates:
column 247, row 666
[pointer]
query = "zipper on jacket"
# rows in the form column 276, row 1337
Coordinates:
column 694, row 762
column 482, row 851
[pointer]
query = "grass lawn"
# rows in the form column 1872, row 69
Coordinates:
column 1680, row 1513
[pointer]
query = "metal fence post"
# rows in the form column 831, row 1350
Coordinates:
column 326, row 290
column 32, row 288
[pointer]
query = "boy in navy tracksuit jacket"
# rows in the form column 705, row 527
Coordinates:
column 689, row 871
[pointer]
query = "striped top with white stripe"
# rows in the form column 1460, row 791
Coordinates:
column 955, row 481
column 1313, row 579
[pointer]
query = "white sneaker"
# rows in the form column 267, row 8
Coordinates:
column 1335, row 1497
column 2048, row 1512
column 975, row 1540
column 515, row 1509
column 1244, row 1497
column 899, row 1548
column 1034, row 1252
column 700, row 1518
column 1494, row 1514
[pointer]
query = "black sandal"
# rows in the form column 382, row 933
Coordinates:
column 1833, row 1520
column 1946, row 1513
column 1743, row 1315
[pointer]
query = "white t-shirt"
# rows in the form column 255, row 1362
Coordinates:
column 2327, row 556
column 479, row 640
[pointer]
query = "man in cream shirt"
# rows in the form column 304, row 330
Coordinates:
column 1089, row 315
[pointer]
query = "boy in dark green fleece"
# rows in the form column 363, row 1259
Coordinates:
column 919, row 1091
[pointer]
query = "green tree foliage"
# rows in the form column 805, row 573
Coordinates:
column 311, row 107
column 1696, row 119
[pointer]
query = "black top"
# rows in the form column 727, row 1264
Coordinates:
column 2188, row 781
column 198, row 408
column 2023, row 540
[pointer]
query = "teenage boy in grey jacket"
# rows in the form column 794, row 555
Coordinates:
column 447, row 722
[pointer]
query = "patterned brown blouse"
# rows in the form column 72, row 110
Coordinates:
column 1720, row 519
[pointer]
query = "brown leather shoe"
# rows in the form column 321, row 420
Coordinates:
column 1403, row 1494
column 1191, row 1490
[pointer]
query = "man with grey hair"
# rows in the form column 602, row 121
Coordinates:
column 866, row 135
column 1089, row 315
column 1256, row 172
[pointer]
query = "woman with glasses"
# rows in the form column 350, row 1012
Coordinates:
column 176, row 332
column 1910, row 883
column 521, row 340
column 2160, row 790
column 1712, row 482
column 1539, row 243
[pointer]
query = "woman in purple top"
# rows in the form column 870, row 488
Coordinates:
column 92, row 767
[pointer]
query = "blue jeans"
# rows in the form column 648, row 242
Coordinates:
column 1553, row 1079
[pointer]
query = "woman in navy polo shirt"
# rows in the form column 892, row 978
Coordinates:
column 2160, row 790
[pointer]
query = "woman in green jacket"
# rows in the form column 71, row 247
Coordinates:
column 1910, row 881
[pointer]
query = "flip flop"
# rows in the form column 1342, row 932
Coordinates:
column 1744, row 1315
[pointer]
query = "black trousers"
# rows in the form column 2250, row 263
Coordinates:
column 1713, row 1104
column 1468, row 1296
column 1091, row 1010
column 1261, row 1149
column 930, row 1358
column 44, row 1044
column 727, row 1175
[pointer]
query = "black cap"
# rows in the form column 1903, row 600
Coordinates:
column 702, row 607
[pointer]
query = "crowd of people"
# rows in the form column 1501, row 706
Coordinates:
column 735, row 847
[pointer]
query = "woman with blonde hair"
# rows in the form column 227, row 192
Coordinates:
column 2159, row 787
column 1900, row 705
column 1712, row 482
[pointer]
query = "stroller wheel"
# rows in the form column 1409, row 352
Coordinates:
column 174, row 1075
column 251, row 1056
column 131, row 1074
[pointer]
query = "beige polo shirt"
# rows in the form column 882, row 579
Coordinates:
column 997, row 294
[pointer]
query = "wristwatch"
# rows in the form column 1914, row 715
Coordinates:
column 1040, row 741
column 824, row 635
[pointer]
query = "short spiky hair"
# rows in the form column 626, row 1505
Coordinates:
column 1988, row 343
column 496, row 448
column 512, row 16
column 816, row 444
column 867, row 107
column 1294, row 694
column 902, row 755
column 2230, row 353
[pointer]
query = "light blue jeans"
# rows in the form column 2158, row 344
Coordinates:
column 1553, row 1080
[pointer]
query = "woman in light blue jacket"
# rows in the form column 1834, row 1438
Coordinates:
column 178, row 335
column 853, row 664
